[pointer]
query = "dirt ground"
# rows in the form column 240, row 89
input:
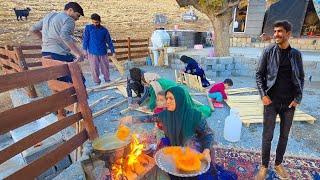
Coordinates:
column 304, row 138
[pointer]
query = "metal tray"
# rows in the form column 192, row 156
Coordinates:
column 166, row 163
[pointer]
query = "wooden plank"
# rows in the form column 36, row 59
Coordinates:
column 98, row 101
column 96, row 114
column 32, row 56
column 34, row 64
column 122, row 58
column 123, row 91
column 58, row 85
column 198, row 94
column 251, row 110
column 48, row 160
column 30, row 47
column 143, row 51
column 241, row 90
column 31, row 91
column 139, row 56
column 119, row 41
column 26, row 78
column 118, row 80
column 121, row 52
column 143, row 110
column 139, row 46
column 120, row 46
column 9, row 70
column 37, row 137
column 10, row 64
column 82, row 100
column 118, row 65
column 21, row 115
column 12, row 55
column 139, row 40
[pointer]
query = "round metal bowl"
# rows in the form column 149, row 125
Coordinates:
column 109, row 148
column 166, row 163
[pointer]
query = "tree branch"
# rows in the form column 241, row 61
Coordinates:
column 230, row 5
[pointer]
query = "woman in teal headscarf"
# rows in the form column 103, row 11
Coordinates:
column 185, row 126
column 182, row 123
column 165, row 84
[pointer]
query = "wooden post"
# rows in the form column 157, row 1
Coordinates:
column 82, row 100
column 23, row 65
column 129, row 49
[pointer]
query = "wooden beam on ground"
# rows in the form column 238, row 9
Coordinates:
column 198, row 94
column 118, row 80
column 96, row 114
column 143, row 110
column 118, row 65
column 99, row 100
column 196, row 101
column 210, row 102
column 251, row 110
column 241, row 90
column 124, row 111
column 123, row 91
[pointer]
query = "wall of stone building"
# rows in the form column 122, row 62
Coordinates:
column 311, row 44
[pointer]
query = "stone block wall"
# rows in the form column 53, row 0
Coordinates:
column 238, row 66
column 312, row 44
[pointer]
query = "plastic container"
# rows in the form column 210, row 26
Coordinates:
column 232, row 126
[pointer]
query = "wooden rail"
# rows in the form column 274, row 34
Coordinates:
column 65, row 94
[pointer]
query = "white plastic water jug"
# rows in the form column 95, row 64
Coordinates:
column 232, row 126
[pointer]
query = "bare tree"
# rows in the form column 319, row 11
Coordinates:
column 220, row 14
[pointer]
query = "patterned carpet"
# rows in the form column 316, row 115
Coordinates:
column 246, row 164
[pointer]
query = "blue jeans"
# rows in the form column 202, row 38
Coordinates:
column 64, row 58
column 216, row 95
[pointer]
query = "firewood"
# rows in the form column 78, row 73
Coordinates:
column 138, row 169
column 143, row 160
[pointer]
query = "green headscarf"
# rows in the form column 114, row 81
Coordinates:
column 181, row 123
column 166, row 84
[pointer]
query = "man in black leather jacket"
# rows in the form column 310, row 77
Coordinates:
column 280, row 81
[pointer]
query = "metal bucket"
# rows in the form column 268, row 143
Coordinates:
column 109, row 148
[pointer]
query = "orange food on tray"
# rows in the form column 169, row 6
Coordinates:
column 123, row 132
column 185, row 159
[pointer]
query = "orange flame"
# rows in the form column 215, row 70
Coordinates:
column 117, row 169
column 136, row 150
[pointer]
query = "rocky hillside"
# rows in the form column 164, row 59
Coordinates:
column 123, row 18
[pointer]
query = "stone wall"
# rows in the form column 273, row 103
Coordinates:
column 312, row 44
column 237, row 66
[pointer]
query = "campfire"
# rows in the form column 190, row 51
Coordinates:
column 134, row 165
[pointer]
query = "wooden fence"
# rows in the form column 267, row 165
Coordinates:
column 17, row 59
column 65, row 95
column 129, row 49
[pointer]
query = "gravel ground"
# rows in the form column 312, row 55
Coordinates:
column 303, row 140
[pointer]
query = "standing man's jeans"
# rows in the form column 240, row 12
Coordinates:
column 97, row 62
column 269, row 120
column 64, row 58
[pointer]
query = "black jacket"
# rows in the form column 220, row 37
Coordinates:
column 268, row 67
